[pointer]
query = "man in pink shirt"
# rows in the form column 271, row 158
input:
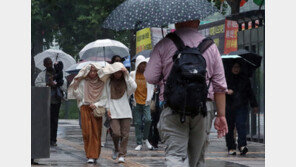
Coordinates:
column 186, row 143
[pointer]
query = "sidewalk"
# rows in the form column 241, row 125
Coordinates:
column 70, row 152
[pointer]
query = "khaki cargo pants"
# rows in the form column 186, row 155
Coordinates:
column 187, row 142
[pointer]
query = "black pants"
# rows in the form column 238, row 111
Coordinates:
column 54, row 116
column 153, row 134
column 237, row 118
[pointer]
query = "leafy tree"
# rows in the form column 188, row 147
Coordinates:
column 234, row 4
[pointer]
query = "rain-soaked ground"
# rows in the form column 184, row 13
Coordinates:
column 70, row 152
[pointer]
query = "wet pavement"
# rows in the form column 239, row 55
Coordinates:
column 70, row 152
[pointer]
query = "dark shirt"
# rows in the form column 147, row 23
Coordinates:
column 242, row 92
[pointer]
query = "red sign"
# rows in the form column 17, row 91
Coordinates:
column 230, row 44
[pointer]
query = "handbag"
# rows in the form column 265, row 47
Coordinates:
column 99, row 111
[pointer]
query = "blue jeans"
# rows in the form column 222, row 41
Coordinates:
column 237, row 118
column 141, row 114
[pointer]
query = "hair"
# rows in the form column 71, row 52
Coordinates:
column 188, row 24
column 114, row 57
column 46, row 60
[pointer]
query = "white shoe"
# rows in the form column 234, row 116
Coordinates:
column 121, row 160
column 91, row 160
column 102, row 144
column 138, row 148
column 149, row 146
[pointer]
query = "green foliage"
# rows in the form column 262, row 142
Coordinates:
column 70, row 111
column 218, row 5
column 74, row 23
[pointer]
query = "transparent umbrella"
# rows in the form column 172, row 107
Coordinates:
column 104, row 48
column 55, row 55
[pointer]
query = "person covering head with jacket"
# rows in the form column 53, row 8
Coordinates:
column 119, row 86
column 141, row 103
column 90, row 92
column 238, row 97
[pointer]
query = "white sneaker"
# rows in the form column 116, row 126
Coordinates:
column 138, row 148
column 91, row 160
column 102, row 144
column 121, row 160
column 149, row 146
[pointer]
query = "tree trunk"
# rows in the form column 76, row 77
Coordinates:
column 235, row 5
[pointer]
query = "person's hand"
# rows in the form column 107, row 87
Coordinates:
column 230, row 92
column 124, row 70
column 109, row 113
column 221, row 126
column 255, row 110
column 51, row 82
column 92, row 106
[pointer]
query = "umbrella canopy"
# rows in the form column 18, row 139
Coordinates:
column 252, row 58
column 55, row 55
column 145, row 53
column 75, row 68
column 104, row 48
column 249, row 63
column 138, row 14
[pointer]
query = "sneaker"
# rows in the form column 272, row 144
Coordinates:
column 114, row 154
column 102, row 144
column 149, row 146
column 138, row 148
column 121, row 160
column 243, row 150
column 91, row 160
column 231, row 152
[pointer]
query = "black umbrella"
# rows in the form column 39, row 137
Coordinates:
column 252, row 58
column 145, row 53
column 249, row 61
column 138, row 14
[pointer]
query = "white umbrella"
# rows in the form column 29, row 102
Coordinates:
column 55, row 55
column 105, row 48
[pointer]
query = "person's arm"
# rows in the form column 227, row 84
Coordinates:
column 154, row 67
column 252, row 98
column 131, row 85
column 219, row 88
column 220, row 121
column 103, row 101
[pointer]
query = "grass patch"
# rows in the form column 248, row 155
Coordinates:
column 69, row 110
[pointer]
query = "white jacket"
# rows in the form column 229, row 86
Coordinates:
column 119, row 108
column 40, row 81
column 150, row 87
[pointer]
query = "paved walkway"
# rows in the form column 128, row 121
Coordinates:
column 70, row 152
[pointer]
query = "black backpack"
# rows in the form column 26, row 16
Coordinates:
column 186, row 89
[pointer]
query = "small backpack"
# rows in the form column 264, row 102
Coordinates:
column 186, row 89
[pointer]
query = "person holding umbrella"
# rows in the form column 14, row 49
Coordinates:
column 239, row 95
column 90, row 92
column 47, row 78
column 119, row 86
column 187, row 142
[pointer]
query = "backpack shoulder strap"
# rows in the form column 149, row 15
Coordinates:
column 177, row 41
column 205, row 44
